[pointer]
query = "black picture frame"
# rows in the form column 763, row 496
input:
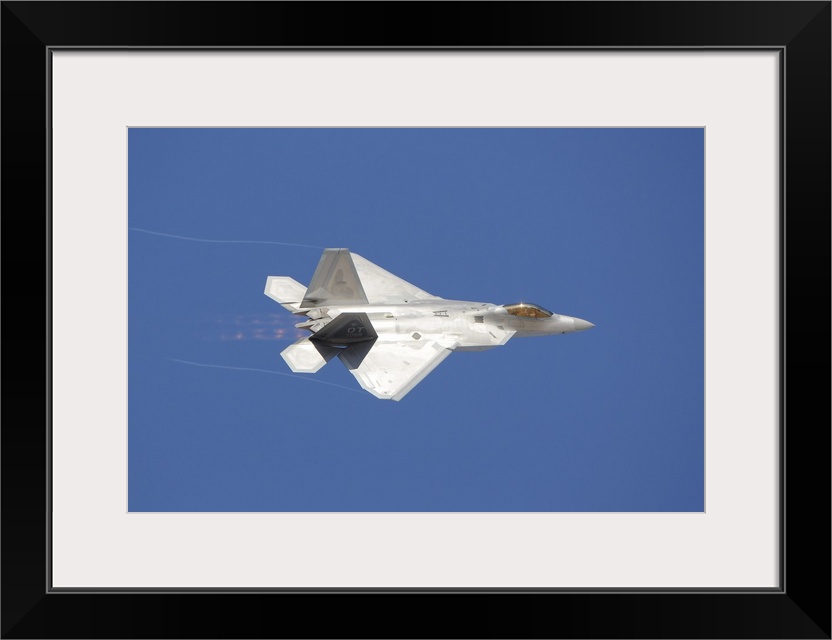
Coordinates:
column 799, row 608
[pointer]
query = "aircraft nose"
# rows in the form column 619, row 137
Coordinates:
column 582, row 325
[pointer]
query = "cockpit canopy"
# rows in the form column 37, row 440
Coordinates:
column 527, row 310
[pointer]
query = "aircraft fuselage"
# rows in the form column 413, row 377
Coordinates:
column 474, row 325
column 389, row 333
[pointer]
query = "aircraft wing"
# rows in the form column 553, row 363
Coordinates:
column 390, row 368
column 382, row 287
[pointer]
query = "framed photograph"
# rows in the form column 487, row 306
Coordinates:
column 648, row 184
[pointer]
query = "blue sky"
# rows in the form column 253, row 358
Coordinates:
column 603, row 224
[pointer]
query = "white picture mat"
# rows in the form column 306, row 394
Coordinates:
column 97, row 95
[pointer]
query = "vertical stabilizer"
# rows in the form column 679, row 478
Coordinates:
column 335, row 282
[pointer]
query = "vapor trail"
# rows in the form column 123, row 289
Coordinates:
column 170, row 235
column 276, row 373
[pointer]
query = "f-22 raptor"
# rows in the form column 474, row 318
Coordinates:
column 389, row 333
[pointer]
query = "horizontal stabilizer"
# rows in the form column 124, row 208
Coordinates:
column 305, row 356
column 287, row 291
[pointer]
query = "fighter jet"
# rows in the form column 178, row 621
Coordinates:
column 389, row 333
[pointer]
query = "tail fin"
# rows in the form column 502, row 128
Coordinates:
column 335, row 281
column 347, row 328
column 286, row 291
